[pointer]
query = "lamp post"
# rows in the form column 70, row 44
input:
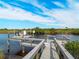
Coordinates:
column 23, row 48
column 24, row 32
column 33, row 32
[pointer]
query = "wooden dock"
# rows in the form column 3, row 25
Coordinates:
column 50, row 49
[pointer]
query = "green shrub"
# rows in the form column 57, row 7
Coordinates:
column 1, row 54
column 73, row 48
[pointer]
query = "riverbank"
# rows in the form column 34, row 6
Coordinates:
column 6, row 32
column 10, row 31
column 39, row 31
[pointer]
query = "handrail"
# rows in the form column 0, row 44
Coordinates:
column 64, row 52
column 24, row 38
column 33, row 52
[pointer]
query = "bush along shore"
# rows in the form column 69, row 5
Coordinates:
column 73, row 48
column 42, row 31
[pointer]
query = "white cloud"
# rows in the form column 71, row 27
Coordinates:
column 59, row 4
column 71, row 3
column 6, row 5
column 76, row 5
column 66, row 17
column 19, row 14
column 35, row 3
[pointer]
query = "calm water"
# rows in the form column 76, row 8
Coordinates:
column 73, row 37
column 13, row 45
column 70, row 37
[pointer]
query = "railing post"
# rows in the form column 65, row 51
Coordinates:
column 31, row 42
column 23, row 49
column 8, row 43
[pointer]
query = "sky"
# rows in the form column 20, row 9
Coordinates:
column 39, row 13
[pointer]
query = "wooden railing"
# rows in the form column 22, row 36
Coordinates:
column 63, row 53
column 34, row 54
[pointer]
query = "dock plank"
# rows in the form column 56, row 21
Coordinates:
column 54, row 52
column 46, row 52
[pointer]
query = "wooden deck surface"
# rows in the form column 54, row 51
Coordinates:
column 46, row 52
column 54, row 52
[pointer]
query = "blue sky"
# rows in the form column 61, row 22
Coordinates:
column 39, row 13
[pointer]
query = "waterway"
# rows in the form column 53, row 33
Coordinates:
column 14, row 48
column 14, row 45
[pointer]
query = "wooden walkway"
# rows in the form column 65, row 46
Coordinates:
column 49, row 51
column 54, row 52
column 46, row 52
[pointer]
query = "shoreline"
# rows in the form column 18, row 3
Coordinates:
column 42, row 31
column 47, row 34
